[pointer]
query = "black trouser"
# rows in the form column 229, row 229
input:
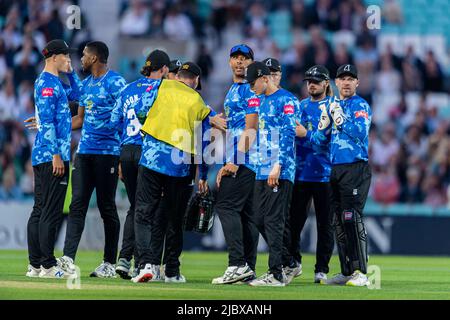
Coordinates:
column 100, row 172
column 349, row 188
column 302, row 195
column 271, row 214
column 176, row 190
column 234, row 206
column 49, row 195
column 129, row 161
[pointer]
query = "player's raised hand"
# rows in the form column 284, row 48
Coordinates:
column 218, row 122
column 300, row 130
column 31, row 123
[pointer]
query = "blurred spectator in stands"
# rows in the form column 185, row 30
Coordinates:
column 25, row 70
column 392, row 12
column 388, row 80
column 3, row 65
column 294, row 57
column 386, row 189
column 204, row 61
column 396, row 60
column 324, row 14
column 27, row 180
column 299, row 14
column 436, row 193
column 27, row 51
column 433, row 120
column 345, row 17
column 177, row 25
column 136, row 19
column 318, row 49
column 366, row 54
column 8, row 102
column 411, row 67
column 9, row 190
column 11, row 37
column 359, row 17
column 256, row 19
column 433, row 78
column 412, row 191
column 341, row 56
column 38, row 37
column 54, row 27
column 385, row 147
column 295, row 83
column 261, row 44
column 415, row 144
column 366, row 58
column 219, row 19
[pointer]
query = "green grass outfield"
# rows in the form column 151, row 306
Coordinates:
column 401, row 278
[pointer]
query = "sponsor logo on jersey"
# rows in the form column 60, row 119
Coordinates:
column 361, row 114
column 47, row 92
column 288, row 109
column 253, row 102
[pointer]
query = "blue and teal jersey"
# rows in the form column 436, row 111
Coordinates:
column 131, row 99
column 98, row 100
column 350, row 140
column 239, row 102
column 158, row 155
column 276, row 134
column 313, row 151
column 53, row 119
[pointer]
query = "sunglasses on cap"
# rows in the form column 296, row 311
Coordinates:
column 243, row 49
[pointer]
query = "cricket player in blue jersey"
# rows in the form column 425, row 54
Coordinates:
column 124, row 116
column 350, row 177
column 275, row 170
column 97, row 158
column 234, row 202
column 312, row 177
column 275, row 70
column 158, row 173
column 50, row 159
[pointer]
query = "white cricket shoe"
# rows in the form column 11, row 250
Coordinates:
column 320, row 276
column 144, row 275
column 104, row 270
column 292, row 273
column 33, row 272
column 267, row 280
column 55, row 272
column 338, row 279
column 66, row 264
column 234, row 274
column 358, row 279
column 179, row 278
column 158, row 276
